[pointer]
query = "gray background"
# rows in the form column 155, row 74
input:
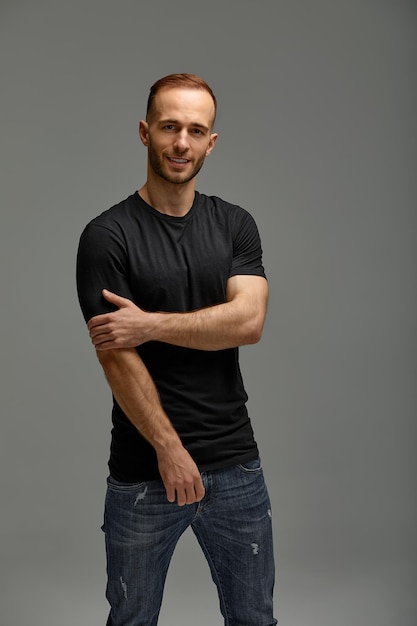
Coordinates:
column 317, row 126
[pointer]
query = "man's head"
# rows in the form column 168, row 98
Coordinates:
column 178, row 128
column 178, row 81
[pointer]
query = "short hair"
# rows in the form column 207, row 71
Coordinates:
column 184, row 81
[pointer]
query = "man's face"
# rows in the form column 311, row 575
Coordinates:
column 178, row 133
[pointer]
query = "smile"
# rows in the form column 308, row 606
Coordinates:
column 178, row 160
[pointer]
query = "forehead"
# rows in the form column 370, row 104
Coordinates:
column 188, row 105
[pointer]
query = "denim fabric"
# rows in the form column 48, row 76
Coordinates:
column 233, row 527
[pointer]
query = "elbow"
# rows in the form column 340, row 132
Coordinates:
column 254, row 338
column 254, row 323
column 253, row 332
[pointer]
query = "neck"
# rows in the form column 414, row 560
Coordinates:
column 168, row 198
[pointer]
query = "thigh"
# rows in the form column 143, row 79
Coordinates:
column 141, row 531
column 235, row 532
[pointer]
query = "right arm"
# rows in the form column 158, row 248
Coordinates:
column 136, row 394
column 102, row 260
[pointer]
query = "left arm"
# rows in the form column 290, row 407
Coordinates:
column 236, row 322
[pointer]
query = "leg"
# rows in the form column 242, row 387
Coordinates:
column 141, row 529
column 233, row 526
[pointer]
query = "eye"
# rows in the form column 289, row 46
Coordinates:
column 197, row 131
column 169, row 127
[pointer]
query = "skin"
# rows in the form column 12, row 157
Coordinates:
column 237, row 322
column 178, row 127
column 178, row 136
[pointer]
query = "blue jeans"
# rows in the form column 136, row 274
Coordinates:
column 232, row 525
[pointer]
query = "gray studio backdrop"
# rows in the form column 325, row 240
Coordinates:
column 317, row 127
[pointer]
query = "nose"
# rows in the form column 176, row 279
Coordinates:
column 181, row 143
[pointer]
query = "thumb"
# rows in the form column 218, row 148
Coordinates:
column 114, row 298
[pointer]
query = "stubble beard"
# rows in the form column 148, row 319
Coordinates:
column 157, row 164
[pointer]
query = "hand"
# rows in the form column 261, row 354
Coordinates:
column 180, row 476
column 126, row 328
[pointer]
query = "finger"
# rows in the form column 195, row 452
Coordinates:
column 199, row 490
column 194, row 493
column 99, row 340
column 104, row 345
column 182, row 497
column 170, row 491
column 92, row 323
column 114, row 298
column 101, row 331
column 98, row 320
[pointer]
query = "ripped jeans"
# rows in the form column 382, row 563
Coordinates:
column 232, row 525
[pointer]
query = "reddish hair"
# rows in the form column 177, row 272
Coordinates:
column 184, row 81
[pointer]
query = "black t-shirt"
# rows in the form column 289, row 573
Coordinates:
column 166, row 263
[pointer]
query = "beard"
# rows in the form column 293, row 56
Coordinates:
column 157, row 163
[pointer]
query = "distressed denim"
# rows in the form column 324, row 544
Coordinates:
column 233, row 527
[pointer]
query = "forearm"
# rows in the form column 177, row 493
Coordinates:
column 237, row 322
column 137, row 396
column 215, row 328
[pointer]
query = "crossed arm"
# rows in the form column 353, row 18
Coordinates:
column 237, row 322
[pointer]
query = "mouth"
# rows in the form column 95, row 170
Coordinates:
column 178, row 161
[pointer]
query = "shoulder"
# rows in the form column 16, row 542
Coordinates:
column 231, row 211
column 219, row 203
column 117, row 216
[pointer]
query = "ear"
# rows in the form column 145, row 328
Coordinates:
column 213, row 139
column 144, row 132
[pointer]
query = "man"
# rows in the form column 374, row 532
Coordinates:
column 171, row 283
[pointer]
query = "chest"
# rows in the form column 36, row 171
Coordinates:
column 179, row 266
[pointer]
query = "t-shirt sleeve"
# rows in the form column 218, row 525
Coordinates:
column 101, row 264
column 247, row 249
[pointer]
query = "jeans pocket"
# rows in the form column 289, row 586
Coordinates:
column 116, row 485
column 251, row 467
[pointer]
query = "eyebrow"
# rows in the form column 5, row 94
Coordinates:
column 194, row 124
